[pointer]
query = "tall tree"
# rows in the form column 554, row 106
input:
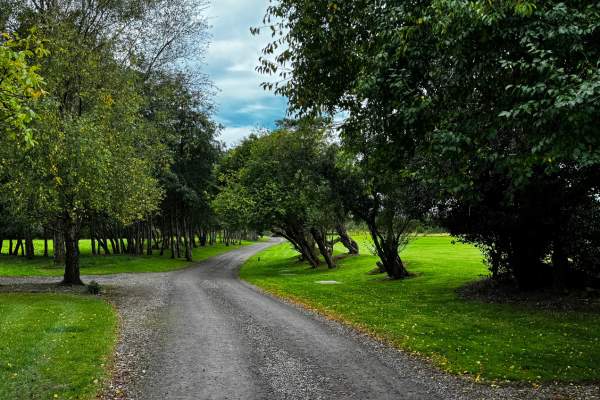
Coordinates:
column 494, row 103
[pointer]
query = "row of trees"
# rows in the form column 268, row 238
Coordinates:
column 482, row 114
column 104, row 130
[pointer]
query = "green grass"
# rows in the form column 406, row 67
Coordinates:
column 423, row 314
column 102, row 265
column 54, row 346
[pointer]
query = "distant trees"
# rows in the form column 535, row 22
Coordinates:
column 488, row 109
column 181, row 119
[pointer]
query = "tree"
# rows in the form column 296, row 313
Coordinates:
column 120, row 126
column 388, row 202
column 517, row 128
column 493, row 103
column 90, row 155
column 330, row 49
column 276, row 180
column 182, row 117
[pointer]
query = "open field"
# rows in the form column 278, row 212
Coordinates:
column 423, row 314
column 102, row 265
column 54, row 346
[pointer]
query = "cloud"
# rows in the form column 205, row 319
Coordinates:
column 234, row 135
column 230, row 62
column 255, row 108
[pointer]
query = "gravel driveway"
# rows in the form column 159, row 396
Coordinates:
column 201, row 333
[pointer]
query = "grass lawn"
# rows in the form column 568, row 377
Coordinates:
column 102, row 265
column 424, row 315
column 54, row 346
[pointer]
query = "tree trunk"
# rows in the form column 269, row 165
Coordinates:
column 59, row 245
column 193, row 237
column 172, row 242
column 71, row 235
column 308, row 250
column 18, row 247
column 387, row 250
column 394, row 265
column 10, row 247
column 141, row 237
column 149, row 246
column 103, row 243
column 346, row 240
column 164, row 237
column 177, row 237
column 187, row 241
column 325, row 252
column 93, row 239
column 115, row 249
column 303, row 244
column 29, row 249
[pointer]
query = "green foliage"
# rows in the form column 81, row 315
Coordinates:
column 20, row 86
column 181, row 118
column 234, row 207
column 93, row 151
column 492, row 104
column 54, row 346
column 275, row 180
column 118, row 130
column 424, row 313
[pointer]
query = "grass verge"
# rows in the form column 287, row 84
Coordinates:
column 424, row 315
column 54, row 346
column 104, row 265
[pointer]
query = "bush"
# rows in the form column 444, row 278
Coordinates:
column 94, row 287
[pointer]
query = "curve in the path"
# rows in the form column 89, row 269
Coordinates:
column 222, row 339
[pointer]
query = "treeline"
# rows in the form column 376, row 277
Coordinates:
column 483, row 115
column 106, row 133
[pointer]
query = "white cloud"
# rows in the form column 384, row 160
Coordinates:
column 230, row 62
column 233, row 135
column 254, row 108
column 242, row 66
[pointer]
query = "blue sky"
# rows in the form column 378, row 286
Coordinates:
column 242, row 105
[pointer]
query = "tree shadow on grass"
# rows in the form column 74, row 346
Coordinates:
column 48, row 287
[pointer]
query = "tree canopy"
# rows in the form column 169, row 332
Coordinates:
column 121, row 131
column 490, row 106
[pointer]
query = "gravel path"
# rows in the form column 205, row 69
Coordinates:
column 201, row 333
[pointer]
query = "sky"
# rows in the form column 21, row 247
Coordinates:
column 242, row 105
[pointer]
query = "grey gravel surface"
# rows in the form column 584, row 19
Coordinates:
column 201, row 333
